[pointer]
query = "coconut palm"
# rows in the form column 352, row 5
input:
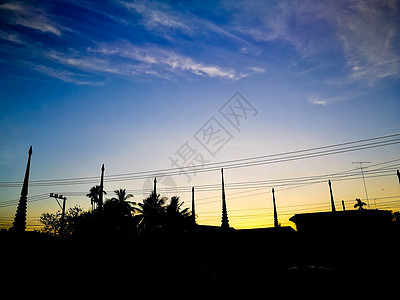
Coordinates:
column 174, row 208
column 152, row 211
column 121, row 202
column 118, row 210
column 121, row 195
column 175, row 216
column 94, row 195
column 359, row 204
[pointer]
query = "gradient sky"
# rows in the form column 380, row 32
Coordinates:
column 127, row 83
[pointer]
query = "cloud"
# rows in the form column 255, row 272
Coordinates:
column 257, row 69
column 161, row 17
column 32, row 17
column 369, row 34
column 317, row 99
column 365, row 33
column 178, row 54
column 11, row 37
column 67, row 76
column 154, row 15
column 160, row 61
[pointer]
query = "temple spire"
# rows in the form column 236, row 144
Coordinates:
column 332, row 202
column 19, row 224
column 155, row 186
column 224, row 221
column 275, row 213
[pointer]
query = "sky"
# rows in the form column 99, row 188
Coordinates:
column 156, row 85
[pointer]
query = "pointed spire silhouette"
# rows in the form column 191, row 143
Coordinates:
column 193, row 208
column 19, row 224
column 224, row 221
column 101, row 188
column 275, row 213
column 332, row 202
column 155, row 186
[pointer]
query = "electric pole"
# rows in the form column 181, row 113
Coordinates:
column 362, row 173
column 193, row 208
column 62, row 224
column 332, row 201
column 276, row 224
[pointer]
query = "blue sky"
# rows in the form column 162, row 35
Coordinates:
column 126, row 83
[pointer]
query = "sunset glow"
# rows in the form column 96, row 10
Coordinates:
column 281, row 94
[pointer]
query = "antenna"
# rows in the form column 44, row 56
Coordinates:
column 362, row 173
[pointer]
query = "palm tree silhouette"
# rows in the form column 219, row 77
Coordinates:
column 152, row 210
column 174, row 208
column 94, row 194
column 359, row 204
column 121, row 202
column 175, row 217
column 121, row 195
column 118, row 217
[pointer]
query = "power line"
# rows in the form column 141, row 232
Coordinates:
column 248, row 186
column 362, row 174
column 237, row 163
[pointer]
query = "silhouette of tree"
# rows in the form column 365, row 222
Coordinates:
column 396, row 217
column 359, row 204
column 52, row 222
column 121, row 201
column 175, row 217
column 121, row 195
column 152, row 212
column 118, row 212
column 94, row 195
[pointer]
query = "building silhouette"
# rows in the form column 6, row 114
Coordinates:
column 349, row 221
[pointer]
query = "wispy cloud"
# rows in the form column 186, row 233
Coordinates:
column 240, row 39
column 99, row 60
column 29, row 16
column 155, row 15
column 161, row 17
column 366, row 32
column 67, row 75
column 369, row 33
column 159, row 60
column 318, row 99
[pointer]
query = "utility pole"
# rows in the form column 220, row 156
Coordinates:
column 332, row 202
column 101, row 189
column 57, row 196
column 193, row 208
column 276, row 224
column 362, row 173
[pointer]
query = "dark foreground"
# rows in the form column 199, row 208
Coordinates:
column 260, row 259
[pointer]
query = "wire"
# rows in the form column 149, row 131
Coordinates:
column 249, row 187
column 237, row 163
